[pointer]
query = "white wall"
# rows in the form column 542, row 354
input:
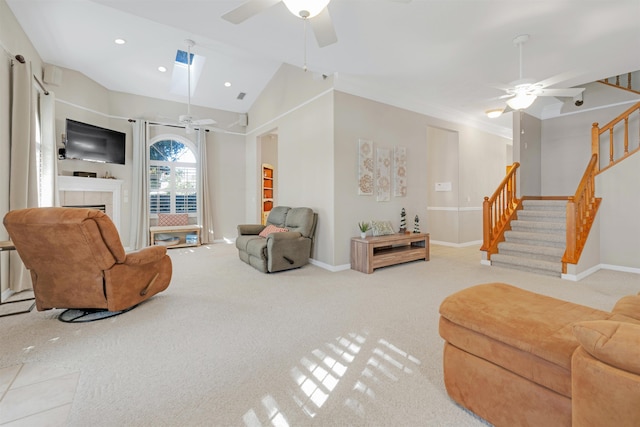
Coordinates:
column 527, row 150
column 566, row 148
column 619, row 225
column 300, row 109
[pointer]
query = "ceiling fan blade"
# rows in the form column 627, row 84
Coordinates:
column 569, row 93
column 247, row 10
column 558, row 78
column 323, row 28
column 203, row 122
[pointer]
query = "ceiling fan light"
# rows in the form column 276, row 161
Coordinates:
column 492, row 114
column 306, row 8
column 521, row 101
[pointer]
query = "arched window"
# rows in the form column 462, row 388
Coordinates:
column 172, row 176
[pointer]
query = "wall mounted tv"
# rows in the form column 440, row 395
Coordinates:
column 93, row 143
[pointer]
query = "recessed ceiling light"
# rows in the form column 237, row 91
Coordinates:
column 162, row 69
column 227, row 84
column 120, row 41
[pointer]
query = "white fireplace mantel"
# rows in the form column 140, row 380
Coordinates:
column 78, row 183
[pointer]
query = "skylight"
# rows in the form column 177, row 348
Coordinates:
column 181, row 57
column 180, row 72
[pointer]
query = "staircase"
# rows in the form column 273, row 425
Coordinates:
column 537, row 239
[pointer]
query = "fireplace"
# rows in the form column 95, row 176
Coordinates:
column 90, row 192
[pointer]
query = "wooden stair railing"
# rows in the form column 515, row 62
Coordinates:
column 596, row 132
column 498, row 210
column 581, row 211
column 619, row 82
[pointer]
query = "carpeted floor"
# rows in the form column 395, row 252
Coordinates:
column 226, row 345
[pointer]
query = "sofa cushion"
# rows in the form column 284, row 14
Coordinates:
column 524, row 332
column 300, row 220
column 165, row 220
column 272, row 229
column 628, row 306
column 257, row 247
column 615, row 343
column 278, row 215
column 381, row 228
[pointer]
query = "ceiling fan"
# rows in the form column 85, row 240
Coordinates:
column 315, row 12
column 521, row 93
column 187, row 119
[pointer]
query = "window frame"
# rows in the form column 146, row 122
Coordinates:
column 173, row 165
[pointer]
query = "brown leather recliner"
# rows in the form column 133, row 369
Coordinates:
column 77, row 261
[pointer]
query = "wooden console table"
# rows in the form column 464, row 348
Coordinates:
column 179, row 231
column 7, row 245
column 373, row 252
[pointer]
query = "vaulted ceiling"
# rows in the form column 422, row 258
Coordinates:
column 438, row 57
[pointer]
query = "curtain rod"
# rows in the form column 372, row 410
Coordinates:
column 21, row 60
column 46, row 92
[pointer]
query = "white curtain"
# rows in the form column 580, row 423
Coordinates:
column 49, row 194
column 205, row 213
column 139, row 233
column 23, row 176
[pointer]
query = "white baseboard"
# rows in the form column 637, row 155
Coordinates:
column 580, row 276
column 456, row 245
column 332, row 268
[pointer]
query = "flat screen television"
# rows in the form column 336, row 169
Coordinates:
column 93, row 143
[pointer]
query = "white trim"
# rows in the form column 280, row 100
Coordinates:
column 456, row 245
column 90, row 110
column 580, row 276
column 620, row 268
column 268, row 123
column 455, row 209
column 331, row 268
column 551, row 113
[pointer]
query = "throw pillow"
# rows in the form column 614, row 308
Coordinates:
column 272, row 229
column 165, row 220
column 628, row 306
column 381, row 228
column 614, row 343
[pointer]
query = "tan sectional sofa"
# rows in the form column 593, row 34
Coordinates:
column 517, row 358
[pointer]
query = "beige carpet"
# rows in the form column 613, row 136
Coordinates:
column 226, row 345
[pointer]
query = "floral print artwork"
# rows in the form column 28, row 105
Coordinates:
column 400, row 176
column 365, row 167
column 383, row 174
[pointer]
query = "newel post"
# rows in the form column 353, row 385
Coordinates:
column 486, row 224
column 571, row 230
column 595, row 142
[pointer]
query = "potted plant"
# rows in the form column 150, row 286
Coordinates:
column 364, row 227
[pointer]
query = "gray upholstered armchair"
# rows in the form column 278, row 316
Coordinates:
column 278, row 250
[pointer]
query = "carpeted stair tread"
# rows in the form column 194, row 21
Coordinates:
column 529, row 238
column 545, row 204
column 547, row 253
column 527, row 264
column 524, row 225
column 541, row 215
